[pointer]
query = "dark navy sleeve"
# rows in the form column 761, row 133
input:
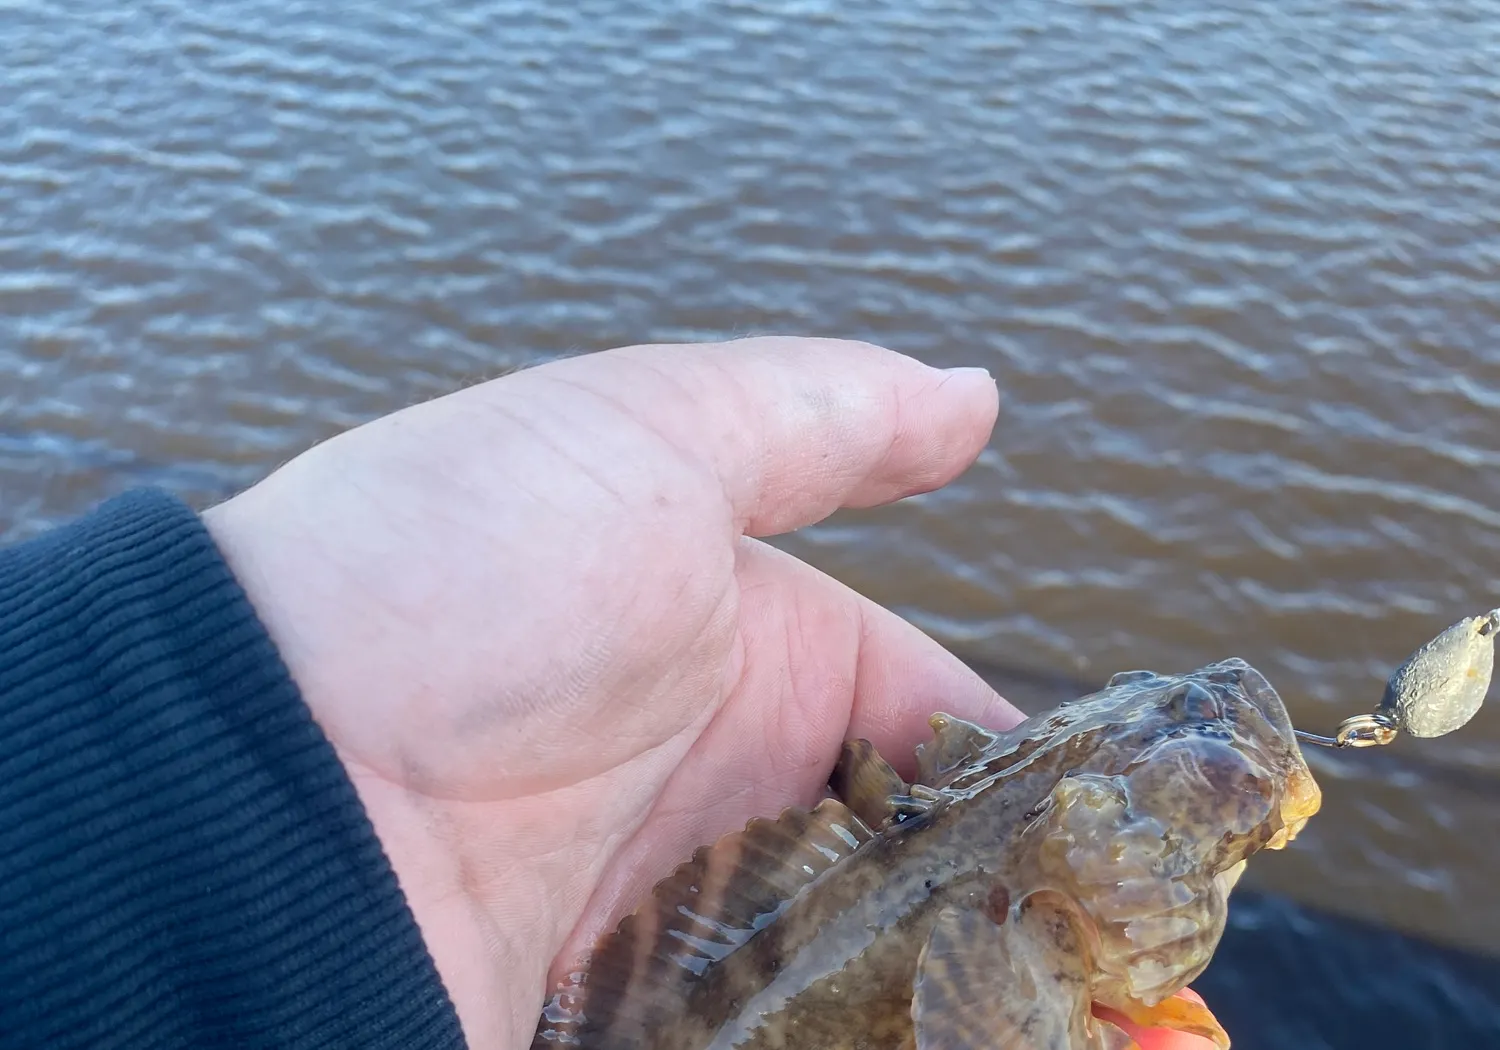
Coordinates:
column 183, row 860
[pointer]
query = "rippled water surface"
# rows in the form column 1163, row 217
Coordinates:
column 1234, row 265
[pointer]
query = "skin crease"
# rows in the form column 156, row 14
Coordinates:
column 537, row 620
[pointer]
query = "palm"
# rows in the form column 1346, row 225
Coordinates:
column 533, row 619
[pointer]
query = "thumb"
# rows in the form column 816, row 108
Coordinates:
column 795, row 428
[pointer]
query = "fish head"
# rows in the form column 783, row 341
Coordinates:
column 1187, row 776
column 1213, row 757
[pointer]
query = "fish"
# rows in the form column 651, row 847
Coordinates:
column 1083, row 858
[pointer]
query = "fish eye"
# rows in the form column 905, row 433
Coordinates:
column 1191, row 701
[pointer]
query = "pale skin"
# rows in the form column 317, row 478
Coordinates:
column 541, row 627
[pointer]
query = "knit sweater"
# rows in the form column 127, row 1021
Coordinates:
column 183, row 860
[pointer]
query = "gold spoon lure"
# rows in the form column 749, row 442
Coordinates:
column 1437, row 690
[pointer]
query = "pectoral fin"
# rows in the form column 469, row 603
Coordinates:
column 1020, row 984
column 639, row 976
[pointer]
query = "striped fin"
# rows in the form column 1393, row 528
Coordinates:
column 1021, row 983
column 636, row 985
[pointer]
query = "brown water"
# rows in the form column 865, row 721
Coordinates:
column 1236, row 267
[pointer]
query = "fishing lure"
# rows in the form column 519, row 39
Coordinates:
column 1437, row 690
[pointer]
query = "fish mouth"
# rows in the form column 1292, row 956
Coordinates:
column 1303, row 798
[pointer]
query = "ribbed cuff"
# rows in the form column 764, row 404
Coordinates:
column 183, row 860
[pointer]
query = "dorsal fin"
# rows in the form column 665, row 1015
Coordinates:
column 954, row 745
column 869, row 786
column 866, row 781
column 639, row 976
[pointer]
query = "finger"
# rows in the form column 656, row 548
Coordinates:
column 792, row 428
column 820, row 663
column 1160, row 1038
column 1166, row 1039
column 824, row 664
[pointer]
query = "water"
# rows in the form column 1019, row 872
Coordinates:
column 1235, row 266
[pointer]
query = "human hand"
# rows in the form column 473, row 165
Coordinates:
column 536, row 622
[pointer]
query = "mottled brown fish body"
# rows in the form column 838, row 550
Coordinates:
column 836, row 969
column 1084, row 855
